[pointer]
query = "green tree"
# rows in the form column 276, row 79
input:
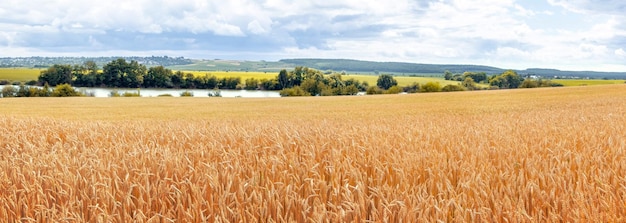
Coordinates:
column 469, row 84
column 56, row 74
column 87, row 75
column 158, row 77
column 508, row 79
column 476, row 76
column 350, row 90
column 269, row 84
column 447, row 75
column 189, row 81
column 178, row 79
column 251, row 84
column 283, row 79
column 385, row 81
column 298, row 75
column 229, row 82
column 313, row 86
column 335, row 81
column 113, row 71
column 119, row 73
column 133, row 78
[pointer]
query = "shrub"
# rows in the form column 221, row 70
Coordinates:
column 114, row 93
column 393, row 90
column 165, row 95
column 9, row 91
column 470, row 84
column 84, row 92
column 350, row 90
column 452, row 87
column 374, row 90
column 65, row 90
column 251, row 84
column 413, row 88
column 186, row 94
column 131, row 94
column 215, row 93
column 294, row 91
column 529, row 83
column 431, row 87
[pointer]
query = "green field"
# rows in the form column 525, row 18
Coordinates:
column 580, row 82
column 19, row 74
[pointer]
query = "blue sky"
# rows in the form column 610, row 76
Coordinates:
column 561, row 34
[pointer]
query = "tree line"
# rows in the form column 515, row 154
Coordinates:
column 304, row 81
column 506, row 80
column 301, row 81
column 123, row 74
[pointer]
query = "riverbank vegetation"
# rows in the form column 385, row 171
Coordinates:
column 62, row 90
column 301, row 81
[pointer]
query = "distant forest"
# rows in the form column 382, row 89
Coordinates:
column 413, row 68
column 387, row 67
column 337, row 65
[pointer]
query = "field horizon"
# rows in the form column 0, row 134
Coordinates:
column 28, row 74
column 523, row 155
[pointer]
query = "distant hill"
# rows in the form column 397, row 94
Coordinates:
column 393, row 67
column 569, row 74
column 337, row 65
column 417, row 68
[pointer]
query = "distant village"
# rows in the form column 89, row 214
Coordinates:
column 45, row 62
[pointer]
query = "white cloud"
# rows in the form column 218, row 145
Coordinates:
column 256, row 28
column 620, row 52
column 495, row 32
column 592, row 6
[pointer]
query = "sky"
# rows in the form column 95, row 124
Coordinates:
column 514, row 34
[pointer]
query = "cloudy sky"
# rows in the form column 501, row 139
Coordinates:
column 562, row 34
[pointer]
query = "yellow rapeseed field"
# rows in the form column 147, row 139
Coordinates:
column 241, row 74
column 19, row 74
column 532, row 155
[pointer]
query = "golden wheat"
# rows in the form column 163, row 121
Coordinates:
column 539, row 155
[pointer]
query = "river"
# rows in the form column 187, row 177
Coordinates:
column 151, row 92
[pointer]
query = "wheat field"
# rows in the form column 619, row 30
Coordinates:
column 536, row 155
